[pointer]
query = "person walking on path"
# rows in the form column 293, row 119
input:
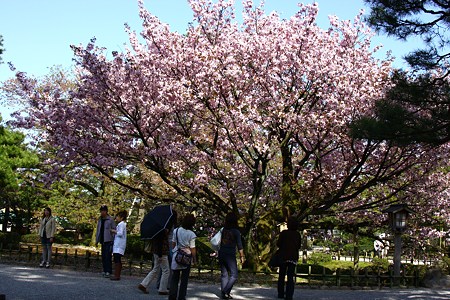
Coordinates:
column 289, row 243
column 47, row 230
column 231, row 239
column 105, row 238
column 183, row 238
column 160, row 250
column 120, row 243
column 173, row 223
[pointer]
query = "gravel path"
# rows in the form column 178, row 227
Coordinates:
column 25, row 282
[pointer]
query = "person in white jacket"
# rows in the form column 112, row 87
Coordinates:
column 120, row 243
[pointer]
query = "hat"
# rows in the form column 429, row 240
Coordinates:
column 104, row 207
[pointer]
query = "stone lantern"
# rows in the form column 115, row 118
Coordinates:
column 398, row 215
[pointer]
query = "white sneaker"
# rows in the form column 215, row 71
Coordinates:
column 107, row 275
column 47, row 265
column 42, row 264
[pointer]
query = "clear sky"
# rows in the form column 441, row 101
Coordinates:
column 37, row 34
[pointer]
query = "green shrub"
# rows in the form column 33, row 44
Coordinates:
column 10, row 239
column 135, row 246
column 315, row 269
column 381, row 264
column 339, row 264
column 66, row 237
column 86, row 241
column 445, row 265
column 318, row 258
column 30, row 238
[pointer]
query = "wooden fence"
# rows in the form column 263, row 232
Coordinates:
column 308, row 275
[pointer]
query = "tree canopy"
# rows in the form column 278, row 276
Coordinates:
column 416, row 110
column 427, row 19
column 15, row 162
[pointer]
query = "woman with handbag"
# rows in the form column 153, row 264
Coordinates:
column 47, row 230
column 230, row 240
column 183, row 243
column 289, row 243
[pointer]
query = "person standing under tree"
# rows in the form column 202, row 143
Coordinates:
column 105, row 237
column 289, row 243
column 377, row 248
column 120, row 243
column 183, row 238
column 47, row 230
column 231, row 239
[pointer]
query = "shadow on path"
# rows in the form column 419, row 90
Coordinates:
column 24, row 282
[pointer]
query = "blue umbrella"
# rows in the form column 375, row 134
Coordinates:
column 156, row 221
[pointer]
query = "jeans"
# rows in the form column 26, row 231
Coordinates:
column 173, row 292
column 289, row 270
column 229, row 272
column 107, row 257
column 159, row 264
column 46, row 250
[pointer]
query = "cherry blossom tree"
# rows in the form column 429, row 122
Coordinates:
column 248, row 116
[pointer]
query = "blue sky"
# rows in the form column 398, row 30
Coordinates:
column 37, row 34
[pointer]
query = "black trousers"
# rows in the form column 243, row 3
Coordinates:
column 107, row 257
column 289, row 270
column 176, row 293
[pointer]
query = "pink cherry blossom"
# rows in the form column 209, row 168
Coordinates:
column 251, row 116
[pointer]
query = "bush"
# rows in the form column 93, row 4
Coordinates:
column 30, row 238
column 66, row 237
column 318, row 258
column 10, row 238
column 315, row 269
column 135, row 246
column 380, row 263
column 445, row 265
column 339, row 264
column 86, row 241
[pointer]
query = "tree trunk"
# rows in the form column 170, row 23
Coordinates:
column 6, row 215
column 355, row 250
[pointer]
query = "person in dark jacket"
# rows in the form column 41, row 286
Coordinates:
column 231, row 239
column 105, row 237
column 289, row 243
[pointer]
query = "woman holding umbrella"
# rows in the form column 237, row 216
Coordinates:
column 155, row 227
column 160, row 249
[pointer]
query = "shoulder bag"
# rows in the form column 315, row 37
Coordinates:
column 183, row 256
column 216, row 240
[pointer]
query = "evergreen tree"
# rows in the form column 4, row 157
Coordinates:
column 427, row 19
column 16, row 161
column 415, row 110
column 417, row 107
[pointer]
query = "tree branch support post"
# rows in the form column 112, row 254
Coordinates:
column 397, row 255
